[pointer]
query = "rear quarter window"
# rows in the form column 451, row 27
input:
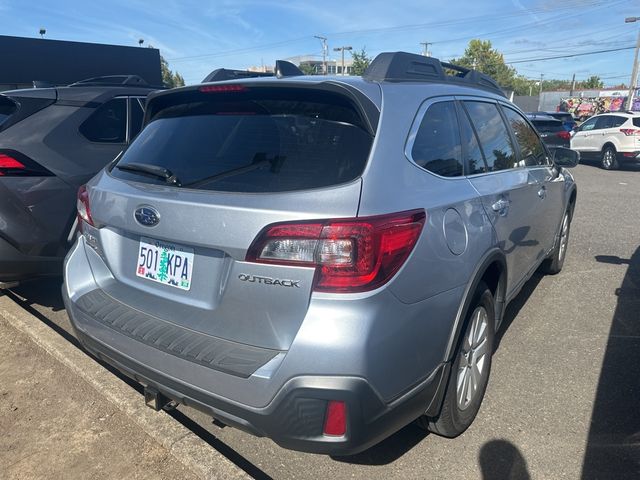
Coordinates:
column 108, row 123
column 261, row 140
column 437, row 147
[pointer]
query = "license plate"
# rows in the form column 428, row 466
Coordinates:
column 165, row 263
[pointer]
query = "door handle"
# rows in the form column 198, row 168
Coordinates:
column 500, row 206
column 542, row 192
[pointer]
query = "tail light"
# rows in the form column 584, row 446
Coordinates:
column 350, row 255
column 629, row 132
column 15, row 164
column 564, row 135
column 84, row 210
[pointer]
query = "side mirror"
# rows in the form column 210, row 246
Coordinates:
column 565, row 157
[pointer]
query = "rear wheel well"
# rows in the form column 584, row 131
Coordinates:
column 608, row 144
column 494, row 278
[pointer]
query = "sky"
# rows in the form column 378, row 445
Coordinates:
column 197, row 37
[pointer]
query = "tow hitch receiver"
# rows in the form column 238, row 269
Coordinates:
column 157, row 401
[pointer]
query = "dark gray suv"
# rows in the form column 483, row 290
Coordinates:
column 319, row 260
column 52, row 140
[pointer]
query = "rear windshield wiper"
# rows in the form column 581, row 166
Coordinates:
column 153, row 170
column 259, row 160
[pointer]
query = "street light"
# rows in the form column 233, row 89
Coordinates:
column 342, row 49
column 634, row 72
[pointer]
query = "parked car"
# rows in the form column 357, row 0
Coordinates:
column 551, row 131
column 52, row 140
column 319, row 260
column 566, row 118
column 610, row 138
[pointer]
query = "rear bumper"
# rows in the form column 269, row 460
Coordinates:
column 295, row 417
column 15, row 265
column 633, row 156
column 358, row 356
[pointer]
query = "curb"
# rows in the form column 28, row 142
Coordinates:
column 189, row 449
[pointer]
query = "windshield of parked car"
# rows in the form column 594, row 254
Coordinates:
column 271, row 141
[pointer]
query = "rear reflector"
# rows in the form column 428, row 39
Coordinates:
column 222, row 88
column 350, row 255
column 335, row 421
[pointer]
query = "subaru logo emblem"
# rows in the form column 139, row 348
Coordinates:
column 147, row 216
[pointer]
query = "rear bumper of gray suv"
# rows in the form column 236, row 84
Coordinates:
column 294, row 419
column 286, row 403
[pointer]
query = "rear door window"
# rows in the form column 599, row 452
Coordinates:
column 108, row 123
column 531, row 149
column 606, row 121
column 470, row 147
column 259, row 140
column 616, row 121
column 436, row 147
column 494, row 137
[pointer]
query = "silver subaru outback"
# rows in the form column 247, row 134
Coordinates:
column 319, row 260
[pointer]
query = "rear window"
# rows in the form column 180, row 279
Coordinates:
column 565, row 117
column 548, row 126
column 636, row 122
column 259, row 140
column 7, row 108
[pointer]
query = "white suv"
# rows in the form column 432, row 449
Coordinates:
column 611, row 138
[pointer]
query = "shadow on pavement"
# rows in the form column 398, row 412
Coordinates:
column 390, row 449
column 41, row 291
column 613, row 445
column 501, row 460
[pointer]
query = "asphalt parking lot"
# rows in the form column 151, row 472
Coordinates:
column 562, row 398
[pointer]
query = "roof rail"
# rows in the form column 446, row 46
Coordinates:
column 43, row 84
column 221, row 74
column 410, row 67
column 112, row 80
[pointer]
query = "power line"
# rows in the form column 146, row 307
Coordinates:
column 595, row 52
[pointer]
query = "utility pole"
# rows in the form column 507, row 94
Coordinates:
column 634, row 73
column 541, row 77
column 325, row 49
column 425, row 50
column 573, row 85
column 342, row 49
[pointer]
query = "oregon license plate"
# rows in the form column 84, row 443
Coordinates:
column 165, row 263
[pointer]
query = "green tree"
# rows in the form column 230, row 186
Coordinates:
column 480, row 56
column 164, row 266
column 360, row 61
column 307, row 69
column 592, row 82
column 169, row 79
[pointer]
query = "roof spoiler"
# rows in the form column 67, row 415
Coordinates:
column 410, row 67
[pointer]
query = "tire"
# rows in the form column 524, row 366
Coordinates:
column 553, row 265
column 609, row 160
column 460, row 405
